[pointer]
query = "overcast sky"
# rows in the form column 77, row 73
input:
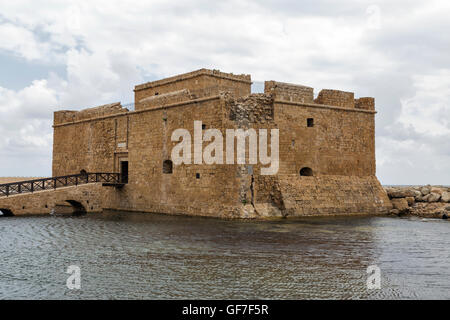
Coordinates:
column 76, row 54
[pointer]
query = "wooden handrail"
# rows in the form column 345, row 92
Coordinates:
column 30, row 186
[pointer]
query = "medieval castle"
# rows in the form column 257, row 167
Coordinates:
column 326, row 152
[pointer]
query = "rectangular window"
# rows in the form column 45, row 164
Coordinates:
column 310, row 122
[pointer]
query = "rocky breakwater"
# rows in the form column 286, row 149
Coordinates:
column 423, row 201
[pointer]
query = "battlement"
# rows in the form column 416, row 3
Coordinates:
column 366, row 103
column 200, row 83
column 336, row 98
column 67, row 116
column 289, row 92
column 206, row 83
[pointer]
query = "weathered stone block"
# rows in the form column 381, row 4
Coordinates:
column 400, row 204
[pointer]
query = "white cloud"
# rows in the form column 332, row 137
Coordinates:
column 20, row 41
column 25, row 130
column 428, row 111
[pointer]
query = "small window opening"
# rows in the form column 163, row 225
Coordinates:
column 310, row 122
column 203, row 126
column 167, row 166
column 156, row 93
column 306, row 172
column 197, row 175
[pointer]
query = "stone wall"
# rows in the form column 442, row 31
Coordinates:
column 289, row 92
column 67, row 116
column 251, row 109
column 366, row 103
column 340, row 141
column 89, row 144
column 330, row 195
column 196, row 189
column 336, row 98
column 165, row 99
column 200, row 83
column 93, row 197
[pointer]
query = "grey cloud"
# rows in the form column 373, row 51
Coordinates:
column 322, row 43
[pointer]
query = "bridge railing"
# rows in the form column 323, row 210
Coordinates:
column 30, row 186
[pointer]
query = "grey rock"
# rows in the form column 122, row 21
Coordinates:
column 410, row 200
column 434, row 197
column 445, row 197
column 401, row 205
column 425, row 191
column 395, row 212
column 400, row 193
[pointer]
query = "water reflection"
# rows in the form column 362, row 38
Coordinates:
column 137, row 256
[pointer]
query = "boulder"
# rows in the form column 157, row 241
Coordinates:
column 433, row 197
column 445, row 197
column 400, row 193
column 395, row 212
column 425, row 191
column 437, row 190
column 400, row 204
column 410, row 201
column 418, row 198
column 248, row 211
column 447, row 208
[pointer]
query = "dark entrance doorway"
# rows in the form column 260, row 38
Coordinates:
column 6, row 213
column 124, row 171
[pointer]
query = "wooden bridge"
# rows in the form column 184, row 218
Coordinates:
column 81, row 193
column 52, row 183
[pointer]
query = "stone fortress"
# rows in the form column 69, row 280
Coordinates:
column 326, row 152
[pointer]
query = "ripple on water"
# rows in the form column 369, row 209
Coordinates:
column 137, row 256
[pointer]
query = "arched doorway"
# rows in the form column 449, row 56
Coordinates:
column 69, row 208
column 78, row 208
column 307, row 172
column 6, row 213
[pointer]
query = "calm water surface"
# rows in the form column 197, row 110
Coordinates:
column 147, row 256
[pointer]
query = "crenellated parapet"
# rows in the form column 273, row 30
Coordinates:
column 336, row 98
column 366, row 103
column 69, row 116
column 289, row 92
